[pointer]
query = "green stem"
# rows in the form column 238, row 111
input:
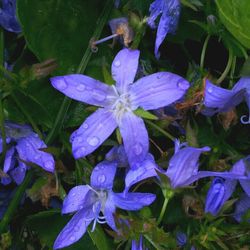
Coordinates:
column 203, row 52
column 227, row 69
column 160, row 130
column 151, row 241
column 139, row 35
column 232, row 72
column 82, row 66
column 26, row 113
column 2, row 128
column 15, row 202
column 1, row 46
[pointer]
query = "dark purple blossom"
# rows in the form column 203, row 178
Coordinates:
column 170, row 12
column 8, row 19
column 23, row 147
column 217, row 99
column 97, row 203
column 181, row 239
column 117, row 104
column 242, row 207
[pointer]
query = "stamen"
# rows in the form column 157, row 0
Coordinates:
column 244, row 121
column 94, row 225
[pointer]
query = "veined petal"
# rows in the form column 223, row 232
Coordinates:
column 135, row 138
column 18, row 173
column 95, row 129
column 75, row 228
column 28, row 149
column 124, row 68
column 158, row 90
column 77, row 199
column 9, row 160
column 144, row 171
column 183, row 165
column 243, row 83
column 245, row 184
column 103, row 175
column 83, row 88
column 109, row 210
column 133, row 201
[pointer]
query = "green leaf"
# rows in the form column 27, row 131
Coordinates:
column 145, row 114
column 234, row 15
column 58, row 29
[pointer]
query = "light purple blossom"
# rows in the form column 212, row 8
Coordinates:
column 97, row 203
column 117, row 103
column 23, row 147
column 217, row 99
column 8, row 19
column 170, row 12
column 242, row 207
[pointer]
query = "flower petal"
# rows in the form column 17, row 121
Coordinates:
column 103, row 175
column 18, row 173
column 109, row 211
column 76, row 199
column 83, row 88
column 135, row 138
column 242, row 206
column 133, row 201
column 95, row 129
column 124, row 68
column 9, row 160
column 118, row 154
column 28, row 149
column 183, row 165
column 245, row 184
column 158, row 90
column 75, row 228
column 144, row 171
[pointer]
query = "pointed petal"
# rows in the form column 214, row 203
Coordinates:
column 77, row 199
column 103, row 175
column 245, row 184
column 109, row 211
column 124, row 68
column 28, row 150
column 18, row 173
column 158, row 90
column 244, row 83
column 144, row 171
column 9, row 160
column 93, row 132
column 83, row 88
column 242, row 206
column 155, row 10
column 133, row 201
column 135, row 138
column 183, row 165
column 75, row 228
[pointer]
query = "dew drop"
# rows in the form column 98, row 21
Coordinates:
column 85, row 125
column 93, row 141
column 74, row 194
column 137, row 148
column 99, row 95
column 183, row 84
column 37, row 157
column 49, row 164
column 61, row 85
column 80, row 152
column 80, row 87
column 72, row 238
column 210, row 90
column 117, row 63
column 101, row 178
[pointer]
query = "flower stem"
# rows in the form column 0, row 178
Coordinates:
column 82, row 66
column 203, row 52
column 15, row 202
column 160, row 130
column 2, row 128
column 227, row 69
column 232, row 72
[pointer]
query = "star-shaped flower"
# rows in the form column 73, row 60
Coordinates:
column 24, row 146
column 170, row 12
column 97, row 203
column 8, row 19
column 117, row 103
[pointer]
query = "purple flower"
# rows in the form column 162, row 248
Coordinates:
column 181, row 239
column 184, row 167
column 117, row 104
column 138, row 245
column 170, row 12
column 217, row 99
column 89, row 201
column 219, row 192
column 8, row 19
column 242, row 207
column 23, row 146
column 117, row 154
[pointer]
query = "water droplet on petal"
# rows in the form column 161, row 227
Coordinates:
column 117, row 63
column 49, row 164
column 80, row 152
column 101, row 178
column 210, row 90
column 80, row 87
column 182, row 84
column 99, row 95
column 85, row 125
column 72, row 238
column 61, row 85
column 93, row 141
column 37, row 157
column 137, row 148
column 74, row 194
